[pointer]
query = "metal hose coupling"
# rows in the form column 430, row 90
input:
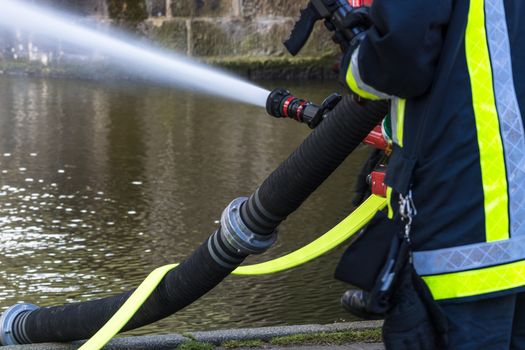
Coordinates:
column 11, row 324
column 236, row 235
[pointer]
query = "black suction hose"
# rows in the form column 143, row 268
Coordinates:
column 183, row 285
column 247, row 226
column 311, row 163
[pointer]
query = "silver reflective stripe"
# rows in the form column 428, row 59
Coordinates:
column 468, row 257
column 394, row 120
column 486, row 254
column 354, row 66
column 509, row 113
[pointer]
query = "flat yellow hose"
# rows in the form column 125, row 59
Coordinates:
column 337, row 235
column 128, row 309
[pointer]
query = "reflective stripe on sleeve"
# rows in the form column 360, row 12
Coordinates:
column 356, row 84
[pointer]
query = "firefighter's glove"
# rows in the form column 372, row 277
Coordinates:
column 359, row 17
column 357, row 20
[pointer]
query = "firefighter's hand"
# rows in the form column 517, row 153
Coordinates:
column 359, row 17
column 357, row 21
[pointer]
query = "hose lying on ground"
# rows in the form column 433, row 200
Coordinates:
column 248, row 226
column 328, row 241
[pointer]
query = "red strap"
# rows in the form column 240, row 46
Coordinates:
column 378, row 183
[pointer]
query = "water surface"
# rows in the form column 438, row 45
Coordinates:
column 103, row 182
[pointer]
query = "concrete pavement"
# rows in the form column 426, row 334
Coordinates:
column 172, row 341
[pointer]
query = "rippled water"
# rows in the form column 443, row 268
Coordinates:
column 101, row 183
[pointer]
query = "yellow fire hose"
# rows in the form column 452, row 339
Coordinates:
column 337, row 235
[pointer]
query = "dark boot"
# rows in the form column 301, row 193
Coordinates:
column 355, row 301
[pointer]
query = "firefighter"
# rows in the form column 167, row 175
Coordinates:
column 454, row 72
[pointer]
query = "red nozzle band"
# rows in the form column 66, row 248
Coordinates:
column 286, row 104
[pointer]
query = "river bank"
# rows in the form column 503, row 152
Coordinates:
column 350, row 335
column 250, row 67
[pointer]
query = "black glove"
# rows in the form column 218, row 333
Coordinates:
column 359, row 17
column 357, row 21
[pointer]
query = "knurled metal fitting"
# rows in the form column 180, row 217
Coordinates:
column 7, row 322
column 238, row 235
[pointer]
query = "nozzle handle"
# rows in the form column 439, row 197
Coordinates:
column 302, row 29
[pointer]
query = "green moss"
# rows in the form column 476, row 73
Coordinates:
column 233, row 344
column 265, row 62
column 363, row 335
column 127, row 13
column 194, row 345
column 252, row 67
column 189, row 336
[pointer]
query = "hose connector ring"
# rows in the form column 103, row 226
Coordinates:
column 237, row 235
column 7, row 322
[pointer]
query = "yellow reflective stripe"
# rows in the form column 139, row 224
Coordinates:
column 475, row 282
column 491, row 154
column 337, row 235
column 389, row 202
column 400, row 120
column 352, row 83
column 127, row 310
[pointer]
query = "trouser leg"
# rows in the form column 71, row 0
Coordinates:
column 518, row 327
column 483, row 324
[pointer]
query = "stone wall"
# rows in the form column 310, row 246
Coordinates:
column 229, row 27
column 239, row 34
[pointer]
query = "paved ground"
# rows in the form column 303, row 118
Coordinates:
column 171, row 341
column 355, row 346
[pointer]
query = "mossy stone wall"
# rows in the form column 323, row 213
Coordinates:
column 207, row 28
column 218, row 30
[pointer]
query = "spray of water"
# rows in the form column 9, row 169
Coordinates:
column 156, row 64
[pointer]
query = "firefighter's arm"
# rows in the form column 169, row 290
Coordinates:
column 399, row 53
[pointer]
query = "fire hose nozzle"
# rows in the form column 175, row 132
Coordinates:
column 282, row 104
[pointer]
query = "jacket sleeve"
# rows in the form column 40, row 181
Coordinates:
column 399, row 53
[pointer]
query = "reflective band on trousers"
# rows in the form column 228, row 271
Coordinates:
column 499, row 263
column 469, row 257
column 476, row 282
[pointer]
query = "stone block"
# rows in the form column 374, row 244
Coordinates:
column 201, row 8
column 215, row 38
column 285, row 8
column 265, row 38
column 79, row 7
column 127, row 13
column 320, row 42
column 156, row 8
column 172, row 34
column 230, row 37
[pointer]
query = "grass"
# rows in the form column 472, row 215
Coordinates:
column 195, row 345
column 363, row 335
column 368, row 335
column 234, row 344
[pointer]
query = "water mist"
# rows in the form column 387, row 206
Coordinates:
column 133, row 56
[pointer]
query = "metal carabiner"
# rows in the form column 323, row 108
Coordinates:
column 408, row 211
